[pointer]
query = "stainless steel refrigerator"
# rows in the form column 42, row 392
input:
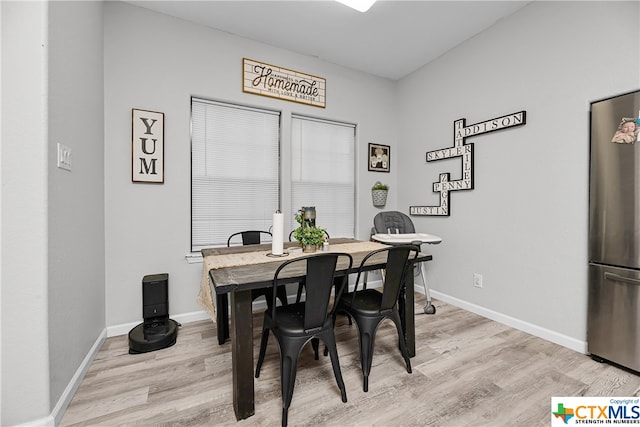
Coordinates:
column 613, row 324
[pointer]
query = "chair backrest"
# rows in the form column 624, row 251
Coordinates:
column 319, row 270
column 250, row 237
column 395, row 272
column 393, row 222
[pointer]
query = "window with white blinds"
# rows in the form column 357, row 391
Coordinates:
column 323, row 172
column 235, row 153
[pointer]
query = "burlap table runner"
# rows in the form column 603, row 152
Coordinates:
column 205, row 296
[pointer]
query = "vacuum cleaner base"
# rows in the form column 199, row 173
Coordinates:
column 154, row 336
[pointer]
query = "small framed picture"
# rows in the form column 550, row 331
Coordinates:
column 379, row 157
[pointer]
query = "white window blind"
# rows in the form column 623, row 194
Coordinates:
column 323, row 173
column 234, row 170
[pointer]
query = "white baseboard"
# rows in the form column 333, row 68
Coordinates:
column 123, row 329
column 41, row 422
column 58, row 411
column 547, row 334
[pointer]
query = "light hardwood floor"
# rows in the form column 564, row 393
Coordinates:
column 468, row 371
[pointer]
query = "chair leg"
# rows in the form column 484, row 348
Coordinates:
column 263, row 350
column 330, row 344
column 344, row 312
column 367, row 337
column 288, row 363
column 299, row 294
column 366, row 357
column 287, row 382
column 281, row 293
column 429, row 308
column 335, row 315
column 315, row 343
column 403, row 343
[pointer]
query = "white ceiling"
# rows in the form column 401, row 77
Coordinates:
column 391, row 40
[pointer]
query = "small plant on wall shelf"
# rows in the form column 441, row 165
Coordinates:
column 380, row 186
column 379, row 193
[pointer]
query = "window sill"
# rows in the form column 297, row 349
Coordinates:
column 193, row 258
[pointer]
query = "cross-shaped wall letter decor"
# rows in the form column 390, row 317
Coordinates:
column 464, row 150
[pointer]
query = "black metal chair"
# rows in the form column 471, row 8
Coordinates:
column 301, row 284
column 250, row 237
column 369, row 307
column 312, row 320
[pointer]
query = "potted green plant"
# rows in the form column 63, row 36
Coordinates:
column 379, row 193
column 309, row 236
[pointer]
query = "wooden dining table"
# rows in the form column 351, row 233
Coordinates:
column 237, row 270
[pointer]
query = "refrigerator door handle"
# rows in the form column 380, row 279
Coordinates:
column 616, row 277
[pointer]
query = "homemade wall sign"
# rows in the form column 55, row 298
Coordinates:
column 277, row 82
column 464, row 150
column 147, row 146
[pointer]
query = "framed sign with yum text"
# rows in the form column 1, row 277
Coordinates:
column 147, row 146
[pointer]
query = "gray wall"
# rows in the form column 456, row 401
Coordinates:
column 156, row 62
column 524, row 226
column 53, row 304
column 76, row 199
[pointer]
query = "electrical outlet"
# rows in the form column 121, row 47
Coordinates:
column 477, row 280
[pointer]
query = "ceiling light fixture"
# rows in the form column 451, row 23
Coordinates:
column 359, row 5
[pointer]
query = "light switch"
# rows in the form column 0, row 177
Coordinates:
column 64, row 157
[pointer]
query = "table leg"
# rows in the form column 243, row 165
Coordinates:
column 222, row 317
column 242, row 354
